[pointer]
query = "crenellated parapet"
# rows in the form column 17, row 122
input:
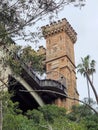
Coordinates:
column 60, row 26
column 41, row 51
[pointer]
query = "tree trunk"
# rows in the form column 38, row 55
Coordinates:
column 93, row 88
column 88, row 91
column 92, row 78
column 1, row 115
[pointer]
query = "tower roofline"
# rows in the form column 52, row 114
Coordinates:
column 60, row 26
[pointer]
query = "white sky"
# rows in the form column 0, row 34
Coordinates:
column 85, row 23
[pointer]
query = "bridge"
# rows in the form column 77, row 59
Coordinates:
column 31, row 92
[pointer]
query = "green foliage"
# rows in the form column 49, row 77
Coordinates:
column 91, row 122
column 48, row 117
column 14, row 64
column 4, row 38
column 30, row 56
column 53, row 118
column 17, row 15
column 12, row 117
column 52, row 112
column 65, row 124
column 84, row 115
column 87, row 66
column 17, row 57
column 79, row 112
column 35, row 115
column 16, row 122
column 8, row 105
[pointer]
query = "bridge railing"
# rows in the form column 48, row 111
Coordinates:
column 46, row 82
column 55, row 75
column 31, row 73
column 53, row 84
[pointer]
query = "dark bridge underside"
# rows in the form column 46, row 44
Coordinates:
column 25, row 99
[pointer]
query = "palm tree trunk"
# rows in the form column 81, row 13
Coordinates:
column 0, row 114
column 92, row 78
column 88, row 91
column 93, row 88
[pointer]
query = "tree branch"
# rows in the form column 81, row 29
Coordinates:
column 71, row 98
column 4, row 82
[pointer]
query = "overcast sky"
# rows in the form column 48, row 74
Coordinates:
column 85, row 23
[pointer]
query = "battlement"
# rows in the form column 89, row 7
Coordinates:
column 41, row 51
column 60, row 26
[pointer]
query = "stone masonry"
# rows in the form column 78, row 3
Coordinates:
column 60, row 63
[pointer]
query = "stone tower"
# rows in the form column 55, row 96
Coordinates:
column 60, row 63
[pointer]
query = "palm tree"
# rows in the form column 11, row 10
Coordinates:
column 87, row 68
column 92, row 64
column 84, row 67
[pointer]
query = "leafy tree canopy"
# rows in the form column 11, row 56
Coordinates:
column 87, row 68
column 17, row 15
column 48, row 117
column 17, row 57
column 45, row 118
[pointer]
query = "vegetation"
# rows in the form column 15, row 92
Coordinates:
column 84, row 115
column 45, row 118
column 87, row 68
column 48, row 117
column 16, row 16
column 32, row 58
column 80, row 118
column 28, row 56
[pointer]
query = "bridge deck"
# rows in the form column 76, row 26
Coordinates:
column 45, row 88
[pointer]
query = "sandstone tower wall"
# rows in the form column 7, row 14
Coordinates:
column 60, row 62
